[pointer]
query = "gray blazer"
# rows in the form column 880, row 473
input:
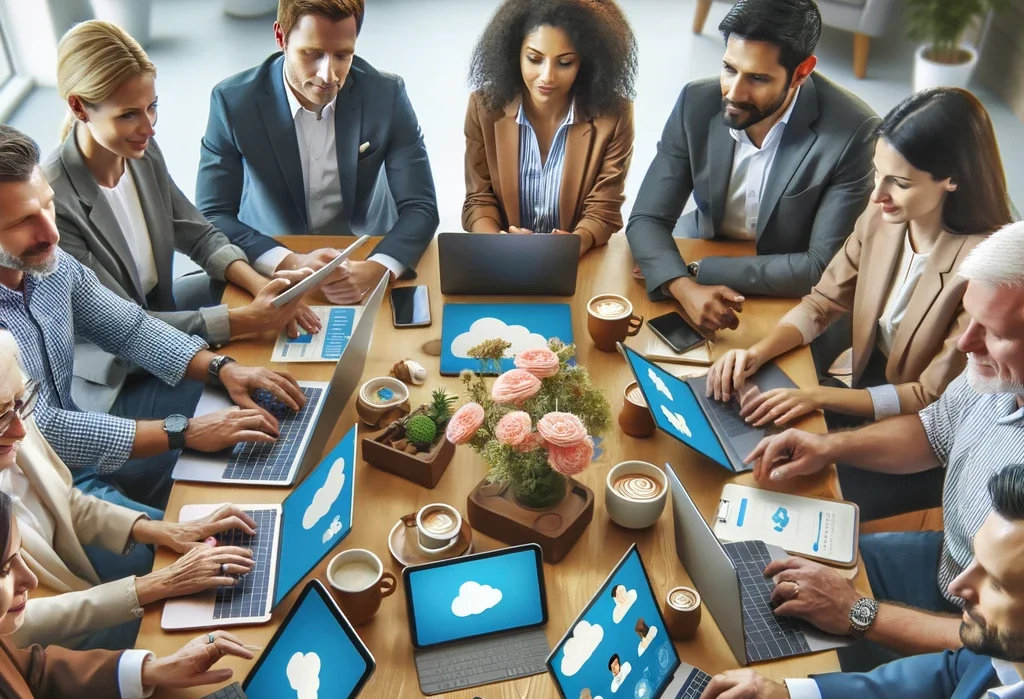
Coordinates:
column 90, row 232
column 819, row 184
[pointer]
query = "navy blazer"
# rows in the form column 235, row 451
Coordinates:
column 946, row 675
column 250, row 176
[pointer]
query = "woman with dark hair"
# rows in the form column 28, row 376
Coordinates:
column 549, row 127
column 939, row 191
column 58, row 673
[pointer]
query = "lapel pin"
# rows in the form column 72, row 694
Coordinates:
column 362, row 148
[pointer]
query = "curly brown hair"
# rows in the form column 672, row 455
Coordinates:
column 597, row 28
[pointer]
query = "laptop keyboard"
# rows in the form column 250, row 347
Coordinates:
column 695, row 685
column 249, row 597
column 768, row 637
column 272, row 461
column 727, row 415
column 482, row 662
column 232, row 691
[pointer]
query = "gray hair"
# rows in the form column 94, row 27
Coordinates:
column 19, row 155
column 998, row 261
column 8, row 354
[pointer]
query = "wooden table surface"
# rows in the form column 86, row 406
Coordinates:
column 384, row 498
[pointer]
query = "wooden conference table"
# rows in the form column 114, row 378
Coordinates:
column 384, row 498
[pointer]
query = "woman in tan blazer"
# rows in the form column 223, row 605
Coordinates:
column 549, row 126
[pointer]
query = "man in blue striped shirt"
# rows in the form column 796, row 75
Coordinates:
column 48, row 297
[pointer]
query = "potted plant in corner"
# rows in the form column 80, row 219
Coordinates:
column 942, row 59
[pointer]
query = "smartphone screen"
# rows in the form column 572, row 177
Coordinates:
column 675, row 331
column 410, row 306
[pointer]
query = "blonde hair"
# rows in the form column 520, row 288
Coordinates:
column 94, row 59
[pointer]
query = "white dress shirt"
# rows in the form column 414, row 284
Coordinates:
column 127, row 207
column 29, row 508
column 750, row 169
column 321, row 179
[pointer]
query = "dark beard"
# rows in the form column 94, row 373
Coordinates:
column 751, row 114
column 982, row 640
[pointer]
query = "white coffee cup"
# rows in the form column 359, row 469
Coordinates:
column 635, row 493
column 437, row 527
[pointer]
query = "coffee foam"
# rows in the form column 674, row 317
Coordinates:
column 438, row 521
column 682, row 599
column 609, row 307
column 635, row 395
column 357, row 575
column 637, row 486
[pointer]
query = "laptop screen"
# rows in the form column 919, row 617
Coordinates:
column 317, row 515
column 618, row 646
column 476, row 596
column 315, row 653
column 675, row 409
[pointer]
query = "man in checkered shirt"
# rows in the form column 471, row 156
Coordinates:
column 975, row 429
column 47, row 298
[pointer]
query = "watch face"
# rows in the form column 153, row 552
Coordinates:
column 176, row 423
column 861, row 614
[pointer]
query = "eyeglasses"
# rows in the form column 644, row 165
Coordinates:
column 23, row 407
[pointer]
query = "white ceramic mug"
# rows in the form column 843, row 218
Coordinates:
column 437, row 527
column 635, row 493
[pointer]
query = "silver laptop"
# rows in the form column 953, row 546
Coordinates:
column 303, row 434
column 489, row 264
column 730, row 578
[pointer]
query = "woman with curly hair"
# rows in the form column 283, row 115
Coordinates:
column 549, row 127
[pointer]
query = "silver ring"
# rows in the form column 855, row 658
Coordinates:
column 209, row 638
column 223, row 567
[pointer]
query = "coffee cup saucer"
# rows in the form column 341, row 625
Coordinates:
column 405, row 548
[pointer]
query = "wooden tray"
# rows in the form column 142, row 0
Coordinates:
column 492, row 511
column 426, row 472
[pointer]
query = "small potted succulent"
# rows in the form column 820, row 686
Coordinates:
column 415, row 447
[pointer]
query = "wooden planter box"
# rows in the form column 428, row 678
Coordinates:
column 421, row 469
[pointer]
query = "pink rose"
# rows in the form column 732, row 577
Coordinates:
column 562, row 429
column 570, row 461
column 540, row 361
column 532, row 441
column 514, row 429
column 515, row 386
column 464, row 423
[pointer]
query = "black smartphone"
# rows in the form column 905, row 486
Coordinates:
column 410, row 306
column 673, row 329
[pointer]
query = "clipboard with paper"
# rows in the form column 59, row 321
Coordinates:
column 823, row 530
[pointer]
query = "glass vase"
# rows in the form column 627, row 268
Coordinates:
column 548, row 490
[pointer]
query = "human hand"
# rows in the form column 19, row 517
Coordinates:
column 730, row 372
column 743, row 684
column 226, row 428
column 203, row 568
column 305, row 318
column 516, row 230
column 710, row 308
column 242, row 381
column 792, row 453
column 190, row 666
column 261, row 315
column 779, row 405
column 350, row 282
column 810, row 591
column 182, row 537
column 585, row 238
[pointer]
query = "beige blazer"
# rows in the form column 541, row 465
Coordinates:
column 924, row 357
column 597, row 156
column 84, row 605
column 57, row 673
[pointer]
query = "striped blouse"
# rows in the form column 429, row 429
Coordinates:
column 540, row 185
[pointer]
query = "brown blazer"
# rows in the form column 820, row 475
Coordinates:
column 597, row 156
column 924, row 357
column 57, row 673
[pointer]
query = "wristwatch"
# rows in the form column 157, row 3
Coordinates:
column 693, row 268
column 216, row 364
column 862, row 616
column 175, row 426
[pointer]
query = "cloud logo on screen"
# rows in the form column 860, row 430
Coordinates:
column 678, row 421
column 475, row 598
column 303, row 673
column 658, row 383
column 489, row 328
column 326, row 496
column 585, row 639
column 333, row 530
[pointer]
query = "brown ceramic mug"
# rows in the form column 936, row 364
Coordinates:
column 610, row 320
column 682, row 613
column 359, row 583
column 635, row 419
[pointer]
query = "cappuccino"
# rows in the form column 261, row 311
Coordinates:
column 637, row 487
column 354, row 576
column 683, row 599
column 635, row 396
column 608, row 308
column 439, row 521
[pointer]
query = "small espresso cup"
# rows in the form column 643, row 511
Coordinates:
column 635, row 419
column 610, row 320
column 359, row 582
column 682, row 613
column 382, row 400
column 437, row 527
column 635, row 493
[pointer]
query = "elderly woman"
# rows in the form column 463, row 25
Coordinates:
column 58, row 522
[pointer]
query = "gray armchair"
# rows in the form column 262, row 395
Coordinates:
column 867, row 19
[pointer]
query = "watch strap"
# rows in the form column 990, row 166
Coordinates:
column 175, row 437
column 216, row 364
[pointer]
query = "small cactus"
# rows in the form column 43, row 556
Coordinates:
column 420, row 429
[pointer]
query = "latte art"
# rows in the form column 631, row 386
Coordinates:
column 438, row 522
column 609, row 307
column 637, row 486
column 682, row 599
column 636, row 396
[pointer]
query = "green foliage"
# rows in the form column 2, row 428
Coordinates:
column 941, row 23
column 420, row 429
column 440, row 408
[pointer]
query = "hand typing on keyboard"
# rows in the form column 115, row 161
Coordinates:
column 813, row 592
column 271, row 403
column 182, row 537
column 192, row 665
column 744, row 683
column 202, row 568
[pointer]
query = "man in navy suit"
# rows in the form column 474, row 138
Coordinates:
column 317, row 141
column 992, row 628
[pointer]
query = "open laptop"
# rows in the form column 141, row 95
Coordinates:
column 290, row 540
column 314, row 653
column 730, row 578
column 710, row 427
column 478, row 619
column 486, row 264
column 303, row 434
column 629, row 636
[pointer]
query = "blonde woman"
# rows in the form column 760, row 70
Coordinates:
column 120, row 213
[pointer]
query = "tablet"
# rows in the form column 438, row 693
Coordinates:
column 318, row 276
